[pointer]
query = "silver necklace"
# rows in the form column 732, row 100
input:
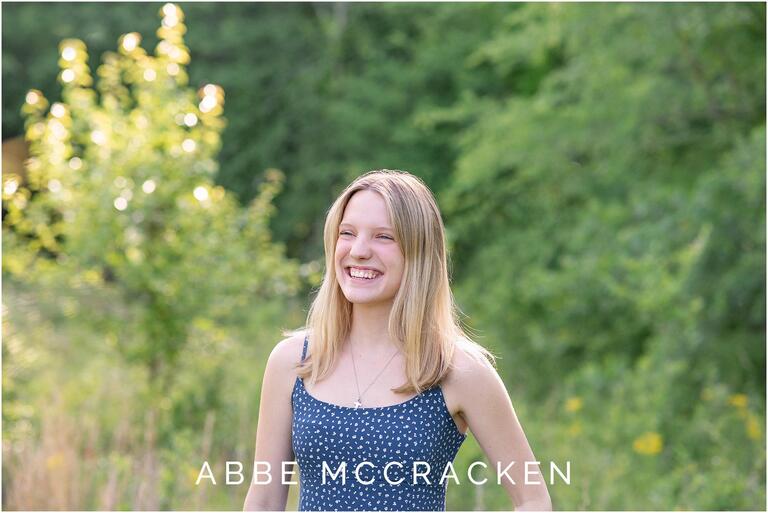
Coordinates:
column 358, row 402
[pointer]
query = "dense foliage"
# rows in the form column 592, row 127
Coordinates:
column 600, row 167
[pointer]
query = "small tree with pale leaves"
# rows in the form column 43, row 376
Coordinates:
column 119, row 210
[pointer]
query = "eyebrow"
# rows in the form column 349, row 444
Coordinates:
column 377, row 228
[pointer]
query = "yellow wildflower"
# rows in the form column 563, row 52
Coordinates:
column 649, row 443
column 574, row 429
column 753, row 428
column 194, row 473
column 573, row 404
column 738, row 400
column 54, row 461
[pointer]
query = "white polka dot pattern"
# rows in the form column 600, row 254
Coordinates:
column 418, row 430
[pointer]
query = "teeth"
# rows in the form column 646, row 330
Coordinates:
column 356, row 273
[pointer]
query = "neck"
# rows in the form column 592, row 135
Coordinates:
column 370, row 331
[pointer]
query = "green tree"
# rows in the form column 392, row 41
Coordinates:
column 585, row 186
column 120, row 213
column 609, row 223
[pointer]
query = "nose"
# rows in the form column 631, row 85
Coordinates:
column 360, row 249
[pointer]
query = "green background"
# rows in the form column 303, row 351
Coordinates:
column 601, row 172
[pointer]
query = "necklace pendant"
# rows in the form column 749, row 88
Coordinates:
column 358, row 404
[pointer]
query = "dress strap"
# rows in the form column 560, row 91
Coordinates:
column 304, row 351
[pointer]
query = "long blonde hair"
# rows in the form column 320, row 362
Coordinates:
column 424, row 318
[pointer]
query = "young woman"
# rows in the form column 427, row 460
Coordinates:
column 374, row 398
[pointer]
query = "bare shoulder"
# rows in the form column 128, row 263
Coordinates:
column 471, row 380
column 286, row 354
column 470, row 368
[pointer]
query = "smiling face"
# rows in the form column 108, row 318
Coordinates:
column 369, row 262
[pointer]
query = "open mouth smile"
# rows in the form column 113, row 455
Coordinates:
column 362, row 275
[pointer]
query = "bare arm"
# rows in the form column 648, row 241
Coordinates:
column 273, row 434
column 487, row 408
